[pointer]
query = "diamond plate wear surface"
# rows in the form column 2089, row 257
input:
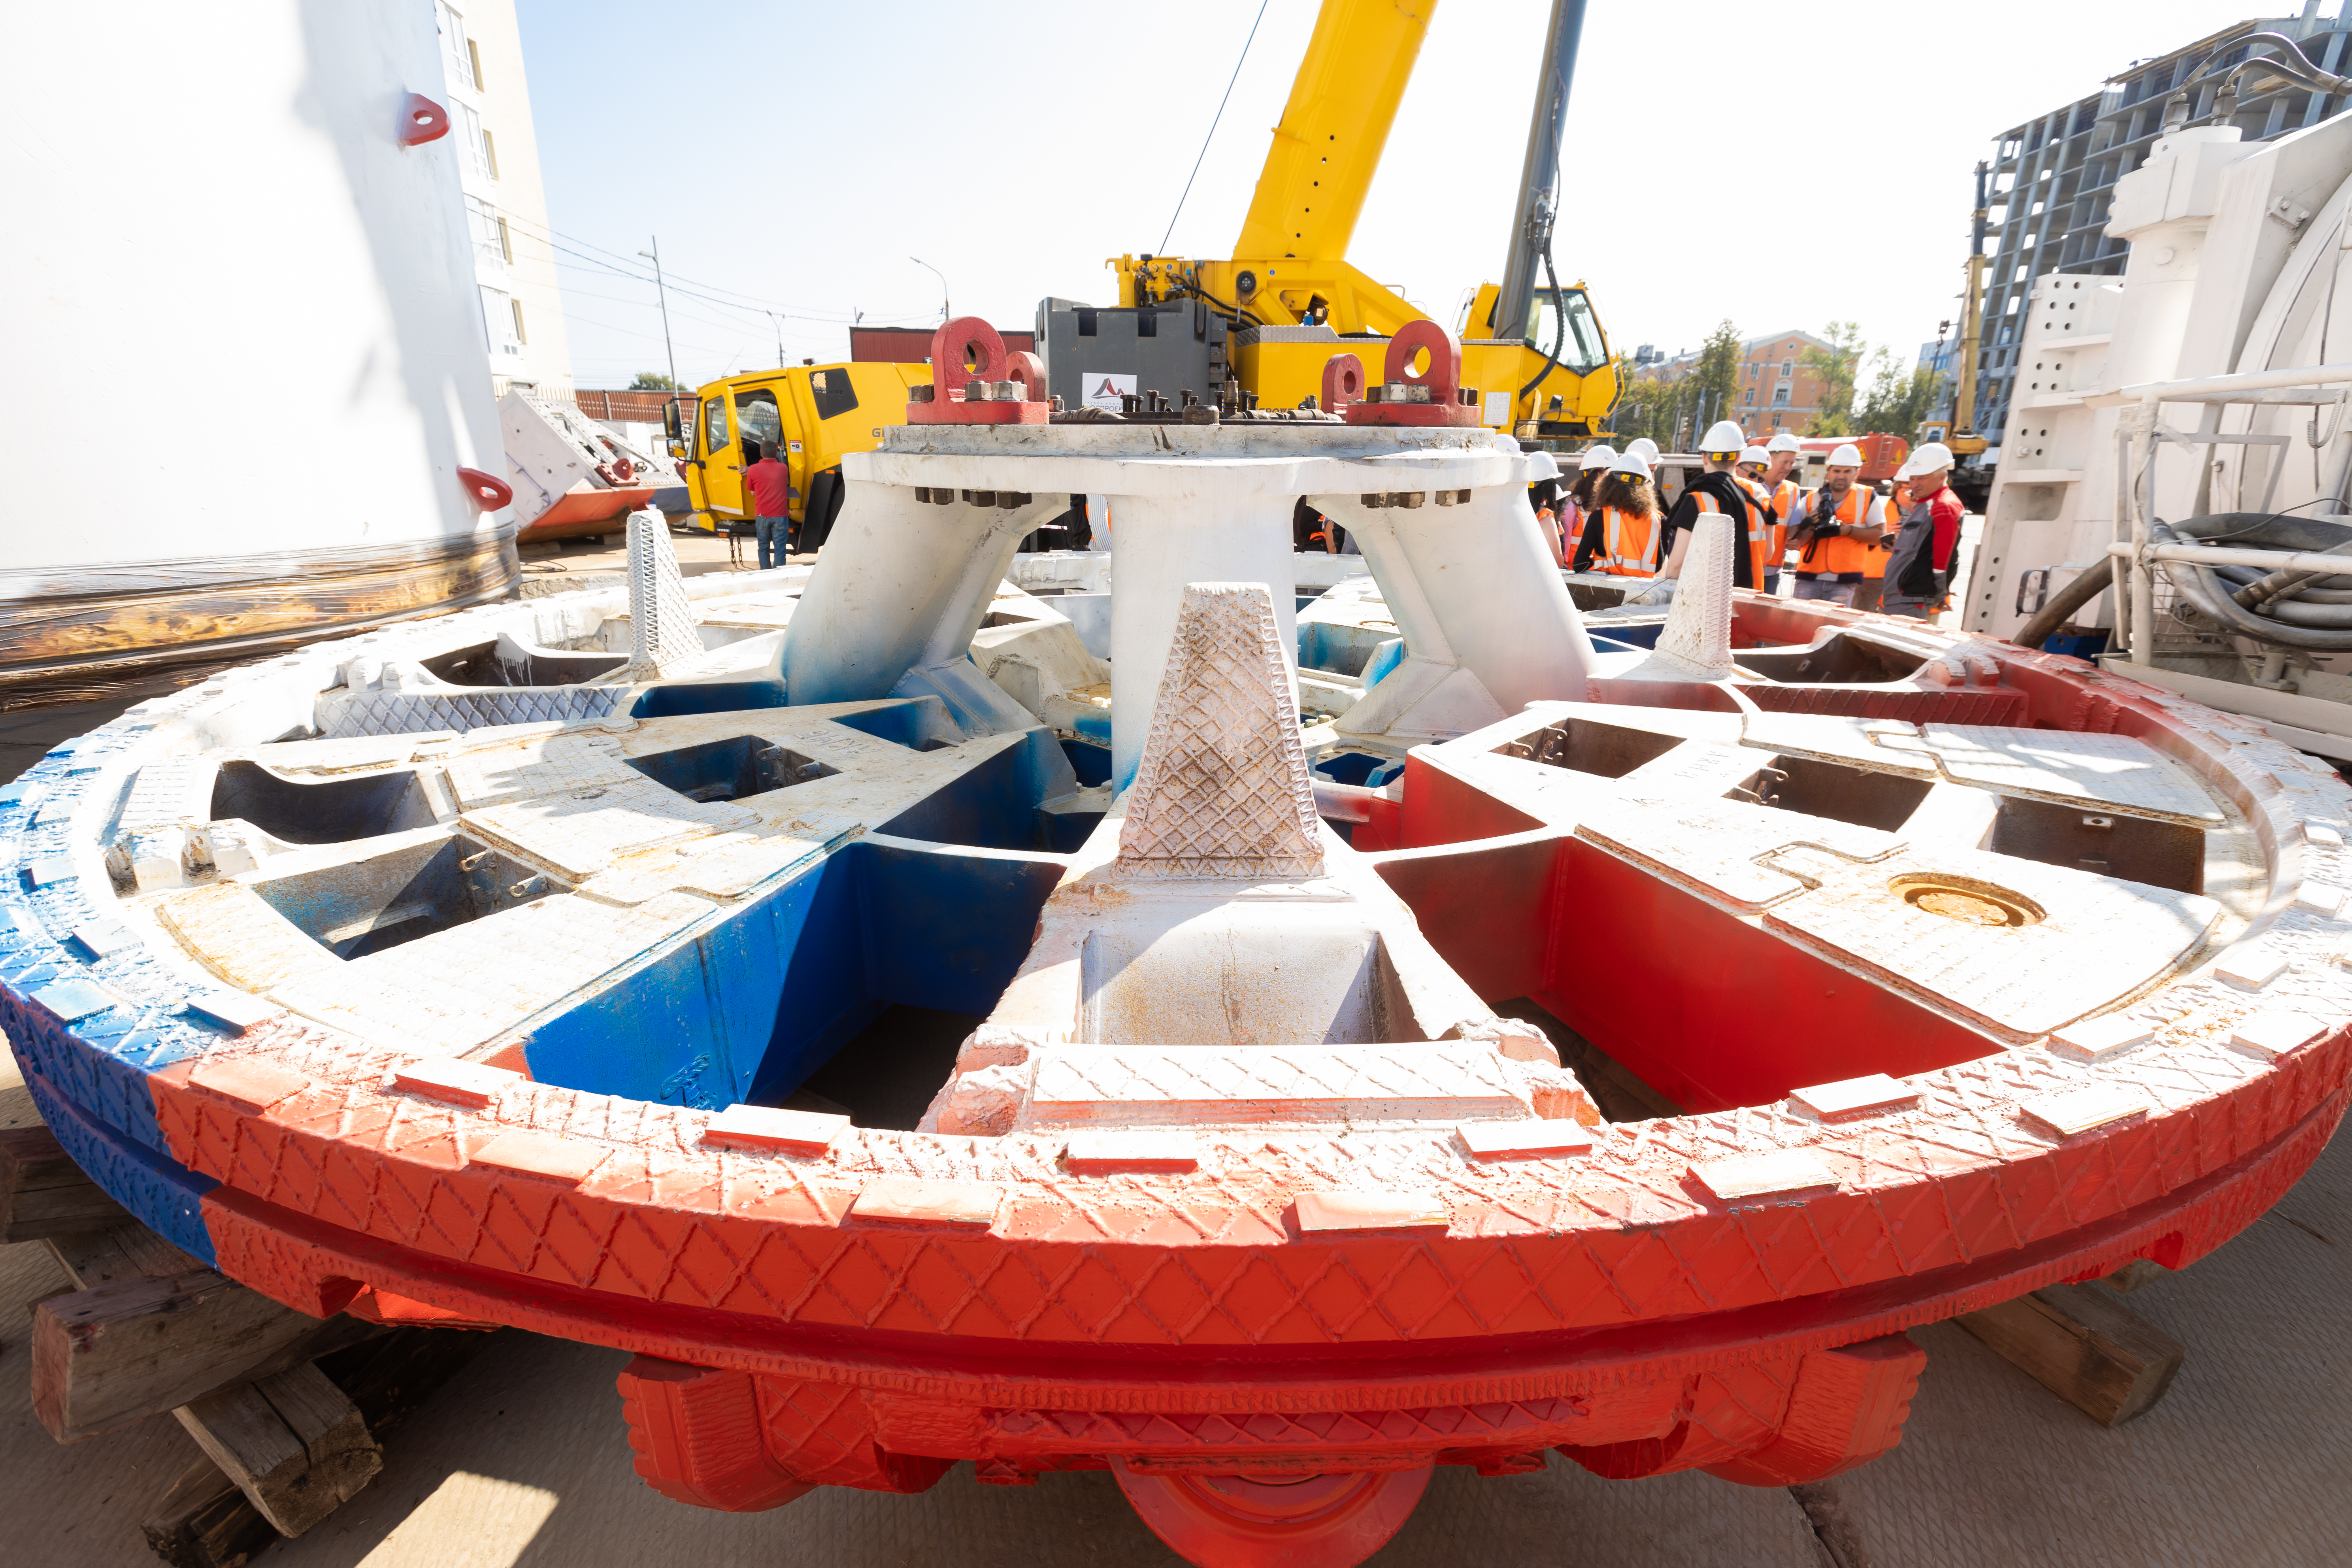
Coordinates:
column 1221, row 788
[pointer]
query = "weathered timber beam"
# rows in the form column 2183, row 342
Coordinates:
column 107, row 1357
column 2085, row 1346
column 205, row 1522
column 44, row 1193
column 293, row 1443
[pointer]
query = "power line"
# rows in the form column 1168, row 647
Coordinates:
column 1212, row 128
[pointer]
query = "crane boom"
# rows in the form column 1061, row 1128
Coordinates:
column 1334, row 129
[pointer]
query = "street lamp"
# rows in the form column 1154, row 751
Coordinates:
column 662, row 292
column 944, row 311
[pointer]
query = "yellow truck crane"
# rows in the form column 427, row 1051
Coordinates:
column 814, row 415
column 1290, row 298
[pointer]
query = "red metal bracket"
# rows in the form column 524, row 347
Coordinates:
column 1343, row 382
column 422, row 121
column 967, row 354
column 486, row 491
column 1434, row 397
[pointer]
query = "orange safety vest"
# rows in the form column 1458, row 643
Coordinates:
column 1786, row 498
column 1841, row 556
column 1628, row 545
column 1759, row 526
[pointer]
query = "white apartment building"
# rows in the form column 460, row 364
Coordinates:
column 505, row 208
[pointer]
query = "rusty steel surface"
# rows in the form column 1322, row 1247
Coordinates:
column 1918, row 1073
column 120, row 621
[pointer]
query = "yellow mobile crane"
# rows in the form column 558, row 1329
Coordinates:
column 1537, row 352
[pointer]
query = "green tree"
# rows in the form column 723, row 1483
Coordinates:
column 1838, row 367
column 654, row 381
column 1898, row 399
column 1645, row 406
column 1714, row 382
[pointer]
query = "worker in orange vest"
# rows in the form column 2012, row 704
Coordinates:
column 1718, row 489
column 1580, row 505
column 1788, row 499
column 1837, row 532
column 1622, row 534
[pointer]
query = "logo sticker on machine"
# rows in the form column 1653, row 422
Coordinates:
column 1104, row 390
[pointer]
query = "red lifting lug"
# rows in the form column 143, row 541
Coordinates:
column 1343, row 382
column 422, row 121
column 1427, row 397
column 487, row 493
column 971, row 376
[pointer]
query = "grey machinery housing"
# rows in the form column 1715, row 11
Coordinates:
column 1170, row 348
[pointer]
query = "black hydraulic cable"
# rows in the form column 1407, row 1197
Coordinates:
column 1560, row 326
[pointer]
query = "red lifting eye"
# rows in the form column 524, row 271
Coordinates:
column 489, row 494
column 422, row 121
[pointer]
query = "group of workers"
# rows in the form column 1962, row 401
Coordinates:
column 1854, row 546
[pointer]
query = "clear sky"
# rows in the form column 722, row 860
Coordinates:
column 1779, row 166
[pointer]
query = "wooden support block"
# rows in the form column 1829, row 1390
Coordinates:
column 95, row 1258
column 2083, row 1345
column 2140, row 1271
column 204, row 1521
column 295, row 1445
column 107, row 1357
column 43, row 1193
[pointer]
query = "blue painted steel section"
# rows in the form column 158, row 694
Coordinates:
column 88, row 1022
column 700, row 1020
column 992, row 806
column 706, row 697
column 166, row 1195
column 748, row 1006
column 1096, row 727
column 946, row 928
column 1358, row 768
column 1089, row 762
column 1385, row 657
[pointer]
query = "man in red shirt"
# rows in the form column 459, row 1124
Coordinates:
column 1919, row 571
column 770, row 485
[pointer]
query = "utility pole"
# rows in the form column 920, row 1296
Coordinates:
column 661, row 292
column 779, row 322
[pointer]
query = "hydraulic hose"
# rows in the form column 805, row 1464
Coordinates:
column 1559, row 328
column 2319, row 628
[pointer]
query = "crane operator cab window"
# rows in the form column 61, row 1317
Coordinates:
column 1582, row 348
column 714, row 425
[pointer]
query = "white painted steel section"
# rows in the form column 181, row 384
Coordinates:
column 316, row 278
column 1472, row 587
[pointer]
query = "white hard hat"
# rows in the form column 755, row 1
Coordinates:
column 1846, row 456
column 1643, row 448
column 1935, row 454
column 1599, row 457
column 1723, row 435
column 1632, row 463
column 1783, row 442
column 1755, row 455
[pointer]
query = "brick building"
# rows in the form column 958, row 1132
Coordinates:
column 1777, row 392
